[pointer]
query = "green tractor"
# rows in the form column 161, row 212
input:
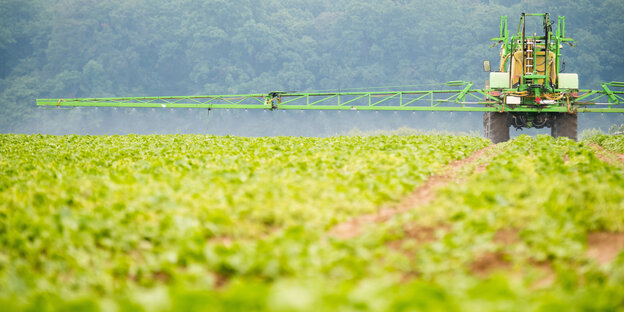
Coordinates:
column 529, row 90
column 531, row 74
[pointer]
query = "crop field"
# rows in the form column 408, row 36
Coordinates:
column 378, row 223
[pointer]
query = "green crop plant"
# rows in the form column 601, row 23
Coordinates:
column 526, row 219
column 99, row 217
column 191, row 222
column 614, row 143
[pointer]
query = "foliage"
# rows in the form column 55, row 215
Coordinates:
column 404, row 131
column 616, row 129
column 228, row 223
column 588, row 133
column 613, row 143
column 532, row 209
column 152, row 211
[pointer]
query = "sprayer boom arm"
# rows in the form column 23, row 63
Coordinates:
column 462, row 99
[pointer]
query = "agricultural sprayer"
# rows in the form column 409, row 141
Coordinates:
column 528, row 89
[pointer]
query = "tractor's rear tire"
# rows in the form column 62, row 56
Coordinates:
column 496, row 126
column 565, row 125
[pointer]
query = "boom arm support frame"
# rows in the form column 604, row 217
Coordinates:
column 464, row 99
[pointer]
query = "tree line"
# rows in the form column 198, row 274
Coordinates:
column 91, row 48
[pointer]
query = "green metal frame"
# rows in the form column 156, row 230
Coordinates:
column 549, row 43
column 464, row 99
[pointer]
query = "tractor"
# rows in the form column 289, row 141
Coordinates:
column 530, row 74
column 529, row 89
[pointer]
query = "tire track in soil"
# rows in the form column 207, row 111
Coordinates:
column 610, row 157
column 422, row 195
column 603, row 247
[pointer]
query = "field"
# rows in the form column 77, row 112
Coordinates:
column 378, row 223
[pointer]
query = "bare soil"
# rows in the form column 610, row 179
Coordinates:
column 548, row 275
column 489, row 262
column 604, row 246
column 610, row 157
column 221, row 240
column 601, row 246
column 220, row 280
column 506, row 237
column 418, row 234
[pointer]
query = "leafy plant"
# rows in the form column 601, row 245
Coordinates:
column 588, row 133
column 98, row 216
column 613, row 143
column 191, row 222
column 616, row 129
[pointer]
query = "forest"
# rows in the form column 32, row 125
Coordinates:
column 91, row 48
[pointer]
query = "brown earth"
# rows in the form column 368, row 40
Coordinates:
column 418, row 234
column 221, row 240
column 601, row 246
column 548, row 275
column 506, row 236
column 489, row 262
column 610, row 157
column 423, row 195
column 220, row 280
column 509, row 236
column 604, row 246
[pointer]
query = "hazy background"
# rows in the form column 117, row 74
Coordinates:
column 89, row 48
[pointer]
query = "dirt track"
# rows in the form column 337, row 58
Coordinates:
column 603, row 247
column 610, row 157
column 423, row 195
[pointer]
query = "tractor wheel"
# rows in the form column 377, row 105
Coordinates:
column 565, row 125
column 496, row 126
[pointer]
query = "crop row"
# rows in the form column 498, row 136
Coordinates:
column 85, row 219
column 224, row 223
column 536, row 224
column 613, row 143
